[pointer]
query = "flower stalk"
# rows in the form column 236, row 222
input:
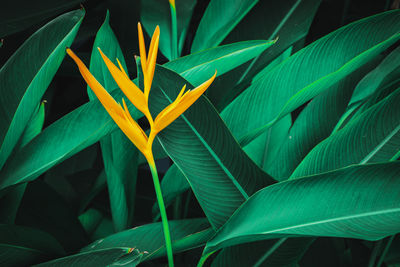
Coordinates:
column 174, row 30
column 122, row 117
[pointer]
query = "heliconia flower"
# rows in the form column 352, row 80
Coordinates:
column 120, row 114
column 172, row 3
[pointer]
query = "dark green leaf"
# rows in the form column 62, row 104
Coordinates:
column 28, row 73
column 220, row 17
column 157, row 12
column 354, row 202
column 119, row 154
column 149, row 238
column 105, row 257
column 85, row 126
column 220, row 173
column 19, row 15
column 284, row 252
column 373, row 136
column 22, row 246
column 327, row 61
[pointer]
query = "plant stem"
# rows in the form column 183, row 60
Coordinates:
column 203, row 259
column 174, row 30
column 163, row 213
column 385, row 250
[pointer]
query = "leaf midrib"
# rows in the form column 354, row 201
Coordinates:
column 211, row 151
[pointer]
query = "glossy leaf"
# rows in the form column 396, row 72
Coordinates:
column 343, row 203
column 29, row 78
column 34, row 126
column 106, row 257
column 24, row 246
column 119, row 154
column 198, row 67
column 283, row 252
column 149, row 240
column 194, row 142
column 173, row 184
column 373, row 136
column 85, row 126
column 289, row 22
column 151, row 17
column 43, row 209
column 220, row 17
column 327, row 61
column 14, row 18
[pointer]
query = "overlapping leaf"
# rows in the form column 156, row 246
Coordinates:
column 309, row 72
column 149, row 240
column 119, row 154
column 220, row 173
column 89, row 123
column 151, row 17
column 26, row 75
column 373, row 136
column 220, row 17
column 343, row 203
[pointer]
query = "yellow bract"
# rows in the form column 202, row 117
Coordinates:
column 172, row 2
column 120, row 114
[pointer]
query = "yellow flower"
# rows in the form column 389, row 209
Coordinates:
column 172, row 3
column 120, row 114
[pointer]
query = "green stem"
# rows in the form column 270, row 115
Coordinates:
column 163, row 213
column 174, row 37
column 385, row 250
column 203, row 259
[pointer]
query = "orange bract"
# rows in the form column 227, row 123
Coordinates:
column 139, row 99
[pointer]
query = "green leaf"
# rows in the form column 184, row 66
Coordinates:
column 287, row 21
column 44, row 209
column 284, row 252
column 90, row 220
column 105, row 257
column 220, row 17
column 373, row 136
column 29, row 72
column 14, row 18
column 327, row 61
column 119, row 154
column 81, row 128
column 378, row 77
column 206, row 152
column 34, row 126
column 198, row 67
column 149, row 238
column 343, row 203
column 173, row 184
column 22, row 246
column 151, row 17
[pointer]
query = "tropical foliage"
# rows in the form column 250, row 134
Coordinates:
column 289, row 157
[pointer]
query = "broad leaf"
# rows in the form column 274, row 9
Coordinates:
column 220, row 17
column 283, row 252
column 22, row 246
column 26, row 75
column 14, row 18
column 220, row 173
column 90, row 122
column 119, row 154
column 373, row 136
column 105, row 257
column 151, row 17
column 149, row 238
column 327, row 61
column 327, row 204
column 200, row 66
column 173, row 184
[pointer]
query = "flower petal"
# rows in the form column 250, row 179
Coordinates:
column 142, row 48
column 134, row 94
column 121, row 117
column 151, row 61
column 180, row 105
